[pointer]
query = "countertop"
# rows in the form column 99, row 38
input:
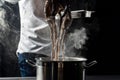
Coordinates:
column 103, row 77
column 93, row 77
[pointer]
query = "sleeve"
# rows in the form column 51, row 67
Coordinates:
column 12, row 1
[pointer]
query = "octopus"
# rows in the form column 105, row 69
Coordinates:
column 58, row 27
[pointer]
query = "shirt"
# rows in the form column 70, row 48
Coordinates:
column 34, row 32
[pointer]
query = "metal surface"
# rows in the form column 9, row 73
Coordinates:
column 65, row 59
column 18, row 78
column 63, row 69
column 69, row 68
column 88, row 77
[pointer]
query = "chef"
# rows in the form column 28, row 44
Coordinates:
column 34, row 34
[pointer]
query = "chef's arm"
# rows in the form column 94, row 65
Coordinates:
column 12, row 1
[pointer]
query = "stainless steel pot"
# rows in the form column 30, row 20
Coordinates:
column 71, row 68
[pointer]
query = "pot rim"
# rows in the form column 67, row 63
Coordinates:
column 66, row 59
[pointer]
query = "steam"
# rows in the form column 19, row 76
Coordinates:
column 3, row 25
column 75, row 42
column 9, row 36
column 78, row 37
column 1, row 2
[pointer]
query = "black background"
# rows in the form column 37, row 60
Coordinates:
column 105, row 47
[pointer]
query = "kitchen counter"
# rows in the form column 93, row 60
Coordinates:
column 103, row 77
column 17, row 78
column 98, row 77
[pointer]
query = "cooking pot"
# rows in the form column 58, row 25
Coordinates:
column 69, row 68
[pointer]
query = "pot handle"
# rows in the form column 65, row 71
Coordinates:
column 89, row 64
column 30, row 62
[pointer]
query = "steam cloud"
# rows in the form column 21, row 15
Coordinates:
column 78, row 37
column 75, row 42
column 9, row 37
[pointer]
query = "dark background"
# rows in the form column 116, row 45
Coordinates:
column 102, row 46
column 105, row 47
